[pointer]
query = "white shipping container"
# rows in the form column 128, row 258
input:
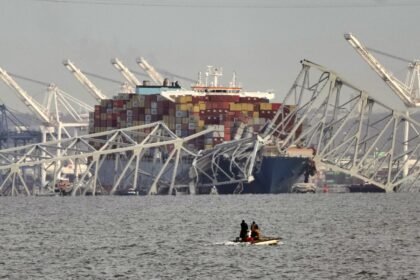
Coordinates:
column 218, row 134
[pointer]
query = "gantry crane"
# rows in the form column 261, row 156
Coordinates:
column 150, row 70
column 408, row 92
column 33, row 106
column 58, row 102
column 128, row 75
column 92, row 89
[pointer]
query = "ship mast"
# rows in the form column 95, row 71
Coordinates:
column 216, row 73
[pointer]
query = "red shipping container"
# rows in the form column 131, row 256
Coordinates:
column 276, row 106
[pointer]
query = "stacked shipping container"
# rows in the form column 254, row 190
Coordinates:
column 187, row 115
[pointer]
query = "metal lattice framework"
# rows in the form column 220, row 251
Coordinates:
column 148, row 158
column 21, row 133
column 351, row 132
column 232, row 162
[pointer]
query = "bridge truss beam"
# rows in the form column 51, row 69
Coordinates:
column 231, row 162
column 148, row 158
column 351, row 132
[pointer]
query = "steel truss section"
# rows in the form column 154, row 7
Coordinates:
column 148, row 159
column 231, row 162
column 350, row 131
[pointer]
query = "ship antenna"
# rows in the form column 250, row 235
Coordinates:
column 234, row 79
column 208, row 74
column 218, row 72
column 200, row 82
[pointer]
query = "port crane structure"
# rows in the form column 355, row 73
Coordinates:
column 350, row 131
column 408, row 91
column 58, row 103
column 150, row 70
column 78, row 74
column 127, row 74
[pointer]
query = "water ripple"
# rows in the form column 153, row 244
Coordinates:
column 326, row 236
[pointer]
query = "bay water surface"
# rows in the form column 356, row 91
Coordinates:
column 325, row 236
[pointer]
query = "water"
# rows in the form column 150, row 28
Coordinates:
column 326, row 236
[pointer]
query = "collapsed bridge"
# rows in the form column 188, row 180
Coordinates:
column 351, row 132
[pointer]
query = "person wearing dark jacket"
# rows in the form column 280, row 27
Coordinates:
column 244, row 229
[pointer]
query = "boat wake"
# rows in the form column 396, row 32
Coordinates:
column 226, row 243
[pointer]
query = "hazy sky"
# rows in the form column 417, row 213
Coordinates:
column 262, row 40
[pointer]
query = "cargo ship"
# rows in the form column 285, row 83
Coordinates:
column 230, row 111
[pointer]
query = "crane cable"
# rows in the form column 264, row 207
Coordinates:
column 389, row 55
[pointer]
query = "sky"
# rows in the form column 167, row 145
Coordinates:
column 261, row 40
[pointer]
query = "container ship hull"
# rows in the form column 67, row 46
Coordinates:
column 277, row 174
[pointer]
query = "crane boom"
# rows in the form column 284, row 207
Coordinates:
column 34, row 106
column 93, row 90
column 404, row 92
column 150, row 70
column 131, row 79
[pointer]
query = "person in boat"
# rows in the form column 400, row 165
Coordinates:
column 244, row 230
column 253, row 225
column 255, row 233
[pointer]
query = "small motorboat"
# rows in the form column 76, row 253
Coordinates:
column 304, row 188
column 261, row 241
